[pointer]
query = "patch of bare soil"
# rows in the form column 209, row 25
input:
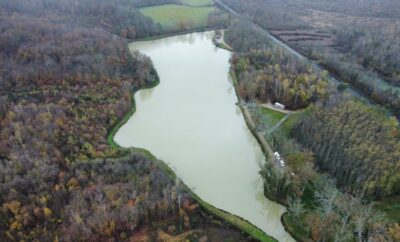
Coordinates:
column 305, row 37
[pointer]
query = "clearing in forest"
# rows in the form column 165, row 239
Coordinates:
column 198, row 3
column 173, row 16
column 270, row 116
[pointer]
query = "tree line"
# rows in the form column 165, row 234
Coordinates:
column 62, row 89
column 376, row 45
column 267, row 72
column 339, row 155
column 362, row 151
column 120, row 17
column 336, row 162
column 364, row 38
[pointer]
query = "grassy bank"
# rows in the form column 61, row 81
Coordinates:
column 174, row 33
column 272, row 117
column 229, row 218
column 224, row 46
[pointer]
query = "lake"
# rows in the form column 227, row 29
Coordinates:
column 191, row 122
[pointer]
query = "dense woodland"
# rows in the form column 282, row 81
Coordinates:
column 66, row 78
column 355, row 40
column 376, row 45
column 320, row 212
column 119, row 17
column 363, row 150
column 267, row 72
column 339, row 154
column 279, row 14
column 272, row 14
column 366, row 55
column 62, row 89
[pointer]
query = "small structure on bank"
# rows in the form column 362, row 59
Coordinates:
column 279, row 106
column 218, row 37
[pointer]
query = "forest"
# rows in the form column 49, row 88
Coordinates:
column 354, row 40
column 370, row 44
column 119, row 17
column 341, row 158
column 289, row 14
column 269, row 73
column 66, row 78
column 341, row 152
column 362, row 151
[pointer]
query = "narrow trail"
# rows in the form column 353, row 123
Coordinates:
column 278, row 124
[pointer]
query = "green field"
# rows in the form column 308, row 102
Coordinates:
column 272, row 117
column 178, row 17
column 198, row 3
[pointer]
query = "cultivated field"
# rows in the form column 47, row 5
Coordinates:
column 198, row 3
column 179, row 17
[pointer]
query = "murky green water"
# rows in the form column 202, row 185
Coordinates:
column 191, row 122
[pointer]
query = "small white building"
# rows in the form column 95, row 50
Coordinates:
column 218, row 39
column 279, row 106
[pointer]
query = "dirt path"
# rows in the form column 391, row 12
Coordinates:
column 278, row 124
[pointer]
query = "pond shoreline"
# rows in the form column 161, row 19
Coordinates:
column 173, row 34
column 228, row 218
column 265, row 147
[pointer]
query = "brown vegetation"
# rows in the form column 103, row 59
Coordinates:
column 66, row 78
column 269, row 73
column 355, row 40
